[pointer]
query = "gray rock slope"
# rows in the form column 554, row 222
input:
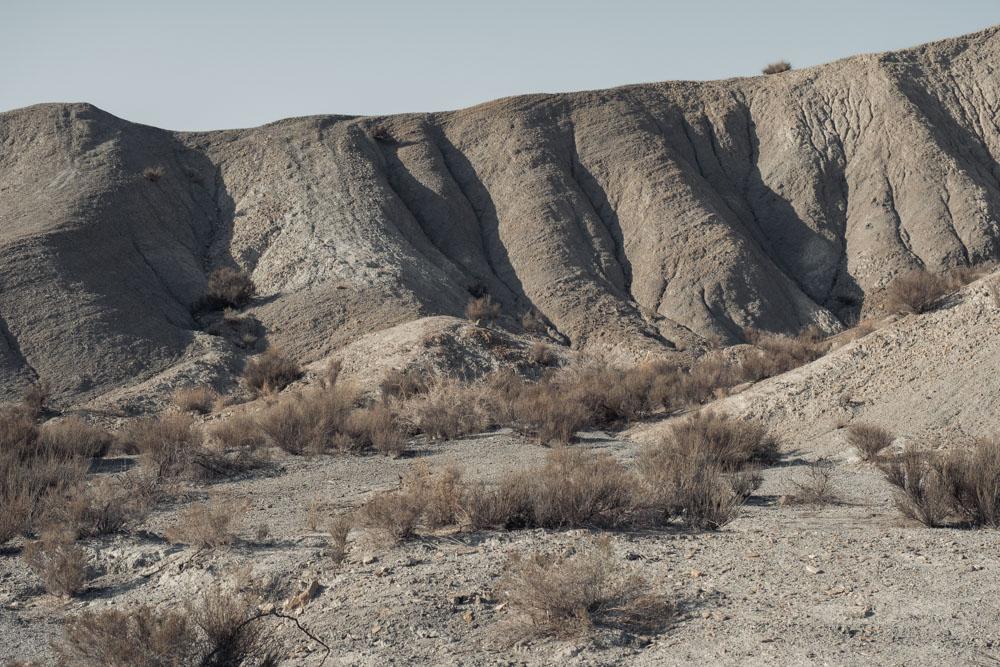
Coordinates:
column 637, row 217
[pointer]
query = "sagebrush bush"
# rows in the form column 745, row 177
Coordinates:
column 402, row 384
column 210, row 524
column 271, row 371
column 869, row 440
column 171, row 446
column 58, row 561
column 774, row 354
column 32, row 469
column 922, row 482
column 778, row 67
column 195, row 399
column 153, row 174
column 717, row 438
column 229, row 288
column 141, row 636
column 75, row 437
column 482, row 309
column 391, row 517
column 448, row 409
column 974, row 479
column 817, row 486
column 570, row 596
column 380, row 428
column 581, row 488
column 915, row 292
column 541, row 354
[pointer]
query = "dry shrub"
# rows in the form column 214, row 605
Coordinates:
column 104, row 507
column 915, row 292
column 449, row 409
column 717, row 438
column 339, row 528
column 705, row 377
column 817, row 488
column 482, row 309
column 974, row 479
column 541, row 354
column 34, row 397
column 960, row 276
column 210, row 524
column 75, row 437
column 238, row 433
column 581, row 488
column 304, row 423
column 776, row 354
column 921, row 479
column 378, row 427
column 441, row 494
column 229, row 622
column 777, row 68
column 703, row 470
column 391, row 517
column 270, row 371
column 402, row 384
column 869, row 440
column 507, row 505
column 153, row 174
column 139, row 637
column 195, row 399
column 571, row 596
column 171, row 446
column 58, row 561
column 31, row 470
column 547, row 412
column 533, row 322
column 228, row 287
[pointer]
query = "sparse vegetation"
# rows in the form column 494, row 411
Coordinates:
column 153, row 174
column 915, row 292
column 571, row 596
column 402, row 384
column 58, row 561
column 541, row 354
column 869, row 440
column 533, row 322
column 778, row 67
column 482, row 309
column 140, row 636
column 271, row 371
column 229, row 288
column 195, row 399
column 210, row 524
column 921, row 479
column 817, row 487
column 774, row 354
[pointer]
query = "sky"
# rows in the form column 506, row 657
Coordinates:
column 211, row 64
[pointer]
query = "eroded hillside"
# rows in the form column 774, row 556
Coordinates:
column 636, row 218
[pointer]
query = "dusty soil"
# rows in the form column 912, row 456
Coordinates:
column 842, row 583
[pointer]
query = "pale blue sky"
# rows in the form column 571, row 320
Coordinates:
column 208, row 65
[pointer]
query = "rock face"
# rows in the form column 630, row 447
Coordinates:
column 633, row 217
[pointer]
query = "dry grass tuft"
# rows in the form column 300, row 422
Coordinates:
column 915, row 292
column 921, row 479
column 817, row 489
column 270, row 371
column 58, row 562
column 571, row 596
column 195, row 399
column 541, row 354
column 229, row 288
column 391, row 517
column 402, row 384
column 974, row 479
column 153, row 174
column 210, row 524
column 778, row 67
column 339, row 528
column 482, row 309
column 869, row 440
column 141, row 636
column 75, row 437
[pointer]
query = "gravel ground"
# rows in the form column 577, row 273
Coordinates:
column 842, row 583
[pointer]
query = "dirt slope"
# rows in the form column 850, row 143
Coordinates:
column 631, row 218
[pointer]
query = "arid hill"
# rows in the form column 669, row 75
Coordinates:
column 636, row 218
